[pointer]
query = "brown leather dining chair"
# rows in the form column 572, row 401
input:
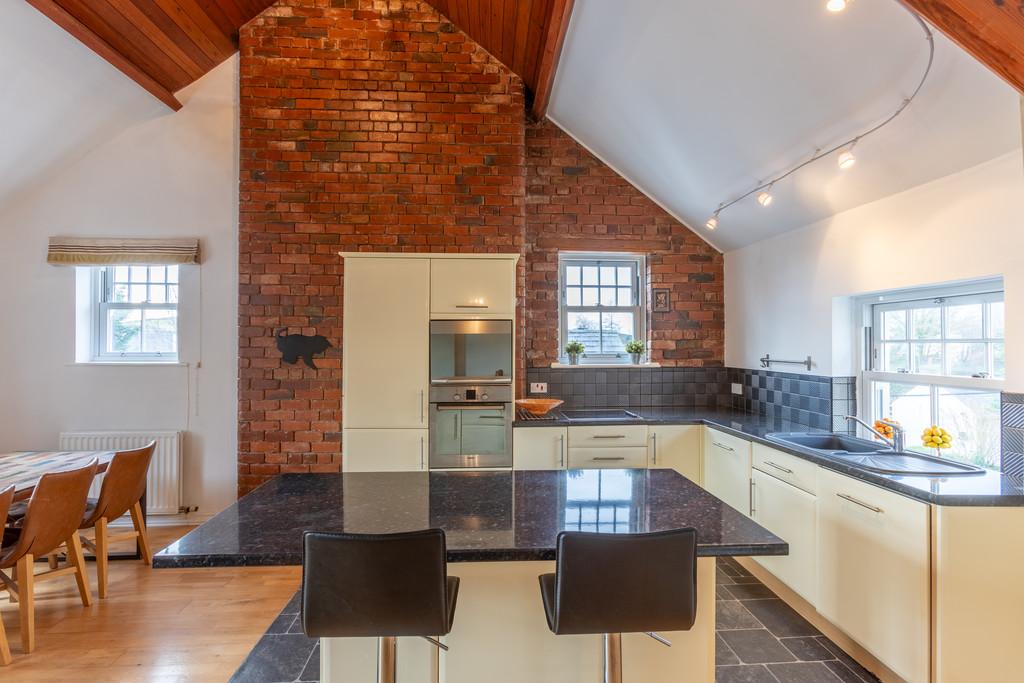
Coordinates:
column 124, row 483
column 6, row 496
column 51, row 520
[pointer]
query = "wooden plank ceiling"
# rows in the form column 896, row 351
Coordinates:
column 992, row 31
column 163, row 45
column 524, row 35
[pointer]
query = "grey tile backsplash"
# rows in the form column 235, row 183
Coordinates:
column 817, row 401
column 1013, row 433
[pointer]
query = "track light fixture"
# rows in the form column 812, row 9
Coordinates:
column 846, row 158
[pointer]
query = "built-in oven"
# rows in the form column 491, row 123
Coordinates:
column 470, row 352
column 470, row 425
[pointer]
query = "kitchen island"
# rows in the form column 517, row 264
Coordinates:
column 501, row 528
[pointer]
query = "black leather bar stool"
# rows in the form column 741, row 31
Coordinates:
column 612, row 584
column 377, row 586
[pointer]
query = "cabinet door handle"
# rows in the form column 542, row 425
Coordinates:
column 861, row 503
column 561, row 450
column 753, row 508
column 654, row 442
column 608, row 436
column 471, row 306
column 724, row 447
column 421, row 407
column 778, row 467
column 423, row 461
column 609, row 458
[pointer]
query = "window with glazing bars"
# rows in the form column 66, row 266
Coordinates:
column 601, row 303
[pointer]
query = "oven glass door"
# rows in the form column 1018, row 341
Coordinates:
column 470, row 436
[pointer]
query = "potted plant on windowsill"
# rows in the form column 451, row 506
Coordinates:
column 635, row 349
column 574, row 350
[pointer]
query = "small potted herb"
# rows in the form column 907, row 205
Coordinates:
column 635, row 349
column 574, row 350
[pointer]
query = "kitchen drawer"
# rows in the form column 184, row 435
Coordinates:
column 608, row 436
column 789, row 468
column 634, row 457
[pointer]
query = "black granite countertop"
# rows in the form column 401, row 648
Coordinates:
column 989, row 489
column 486, row 515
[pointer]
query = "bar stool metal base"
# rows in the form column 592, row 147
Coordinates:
column 387, row 658
column 612, row 658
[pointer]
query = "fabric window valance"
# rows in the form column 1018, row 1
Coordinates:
column 79, row 251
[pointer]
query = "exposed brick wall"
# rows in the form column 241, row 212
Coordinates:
column 365, row 125
column 576, row 203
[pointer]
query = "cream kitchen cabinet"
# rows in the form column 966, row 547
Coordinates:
column 386, row 333
column 676, row 447
column 473, row 287
column 727, row 469
column 791, row 514
column 874, row 571
column 384, row 450
column 539, row 448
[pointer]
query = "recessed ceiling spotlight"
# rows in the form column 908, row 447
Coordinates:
column 712, row 222
column 765, row 198
column 837, row 5
column 847, row 159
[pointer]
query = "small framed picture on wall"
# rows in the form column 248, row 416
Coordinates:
column 662, row 300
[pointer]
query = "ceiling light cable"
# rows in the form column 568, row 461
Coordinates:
column 759, row 190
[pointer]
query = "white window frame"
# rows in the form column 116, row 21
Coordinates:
column 638, row 262
column 872, row 306
column 100, row 304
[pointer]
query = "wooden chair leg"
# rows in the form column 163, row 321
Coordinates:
column 26, row 603
column 140, row 526
column 102, row 553
column 77, row 560
column 51, row 560
column 5, row 648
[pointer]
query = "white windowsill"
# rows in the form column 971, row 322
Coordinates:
column 128, row 364
column 583, row 366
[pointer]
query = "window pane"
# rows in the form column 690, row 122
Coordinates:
column 618, row 330
column 996, row 320
column 626, row 276
column 157, row 294
column 590, row 296
column 119, row 293
column 572, row 275
column 590, row 275
column 894, row 324
column 607, row 275
column 172, row 273
column 137, row 294
column 972, row 418
column 607, row 296
column 925, row 323
column 124, row 331
column 138, row 273
column 965, row 360
column 120, row 273
column 584, row 328
column 160, row 331
column 172, row 294
column 908, row 404
column 926, row 358
column 625, row 296
column 157, row 274
column 895, row 357
column 964, row 322
column 573, row 296
column 999, row 360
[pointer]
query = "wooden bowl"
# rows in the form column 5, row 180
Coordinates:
column 539, row 406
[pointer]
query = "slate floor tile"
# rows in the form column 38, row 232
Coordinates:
column 731, row 615
column 721, row 593
column 744, row 674
column 847, row 660
column 803, row 672
column 807, row 649
column 750, row 591
column 843, row 673
column 778, row 617
column 275, row 659
column 757, row 646
column 724, row 653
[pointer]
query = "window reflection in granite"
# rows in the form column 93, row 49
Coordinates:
column 603, row 501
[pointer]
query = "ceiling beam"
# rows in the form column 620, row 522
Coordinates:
column 62, row 18
column 992, row 31
column 551, row 51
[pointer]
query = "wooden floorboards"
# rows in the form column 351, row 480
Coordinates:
column 158, row 626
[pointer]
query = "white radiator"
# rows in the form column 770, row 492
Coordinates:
column 163, row 485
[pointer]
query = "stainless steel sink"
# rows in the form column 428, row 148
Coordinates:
column 872, row 456
column 599, row 414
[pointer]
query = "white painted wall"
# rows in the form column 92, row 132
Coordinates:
column 173, row 175
column 781, row 294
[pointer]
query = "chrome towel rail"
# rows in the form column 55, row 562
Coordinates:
column 767, row 361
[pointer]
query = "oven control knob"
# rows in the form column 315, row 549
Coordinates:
column 484, row 397
column 457, row 397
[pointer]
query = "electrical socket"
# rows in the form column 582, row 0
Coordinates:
column 538, row 387
column 737, row 389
